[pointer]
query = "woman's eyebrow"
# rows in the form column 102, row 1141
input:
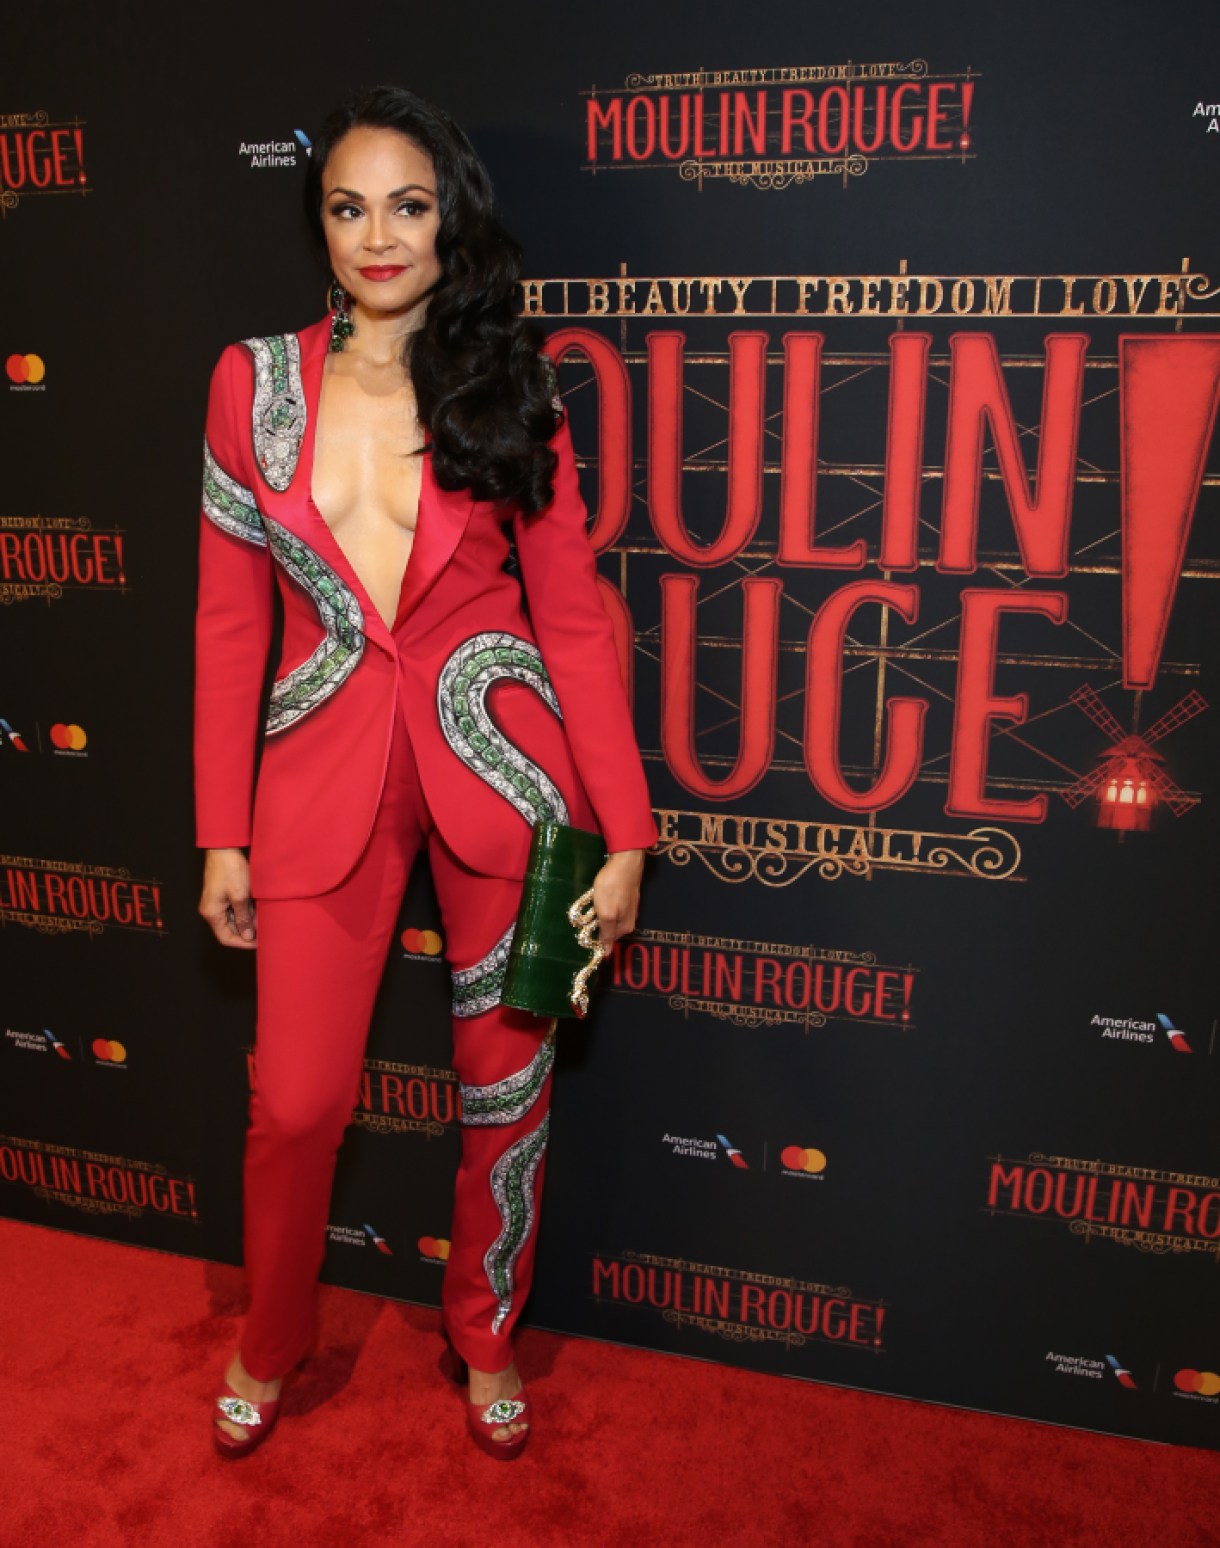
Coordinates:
column 394, row 193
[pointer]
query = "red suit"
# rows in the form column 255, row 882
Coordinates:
column 445, row 729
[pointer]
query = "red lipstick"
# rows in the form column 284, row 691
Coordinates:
column 378, row 272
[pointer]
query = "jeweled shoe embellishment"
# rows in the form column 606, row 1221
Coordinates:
column 502, row 1411
column 239, row 1410
column 258, row 1420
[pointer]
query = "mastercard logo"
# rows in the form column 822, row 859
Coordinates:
column 799, row 1159
column 422, row 943
column 108, row 1051
column 434, row 1247
column 25, row 368
column 68, row 738
column 1205, row 1383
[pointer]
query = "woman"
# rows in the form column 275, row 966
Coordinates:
column 377, row 464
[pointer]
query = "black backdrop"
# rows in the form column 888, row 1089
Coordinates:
column 885, row 1098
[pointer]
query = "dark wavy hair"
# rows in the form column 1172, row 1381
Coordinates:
column 482, row 388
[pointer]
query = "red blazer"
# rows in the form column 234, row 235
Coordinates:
column 466, row 657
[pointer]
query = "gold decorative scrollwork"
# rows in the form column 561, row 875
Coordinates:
column 733, row 1332
column 50, row 924
column 772, row 176
column 384, row 1123
column 990, row 854
column 774, row 182
column 88, row 1206
column 997, row 857
column 831, row 867
column 744, row 1015
column 25, row 591
column 1145, row 1241
column 1198, row 287
column 377, row 1123
column 736, row 863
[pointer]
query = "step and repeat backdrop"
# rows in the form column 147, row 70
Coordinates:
column 891, row 349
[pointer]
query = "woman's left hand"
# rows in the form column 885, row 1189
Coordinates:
column 616, row 894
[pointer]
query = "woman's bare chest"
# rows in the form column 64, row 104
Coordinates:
column 365, row 481
column 366, row 471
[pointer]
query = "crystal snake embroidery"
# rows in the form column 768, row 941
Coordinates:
column 336, row 658
column 508, row 1100
column 477, row 989
column 512, row 1187
column 229, row 504
column 278, row 412
column 460, row 698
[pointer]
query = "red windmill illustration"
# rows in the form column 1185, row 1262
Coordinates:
column 1129, row 781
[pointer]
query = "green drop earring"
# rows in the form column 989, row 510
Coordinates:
column 341, row 325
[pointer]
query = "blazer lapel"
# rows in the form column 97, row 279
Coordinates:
column 442, row 519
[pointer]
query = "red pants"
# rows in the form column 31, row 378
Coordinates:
column 320, row 962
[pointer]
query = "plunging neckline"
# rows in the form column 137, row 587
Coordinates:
column 390, row 623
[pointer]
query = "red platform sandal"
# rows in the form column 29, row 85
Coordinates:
column 483, row 1423
column 258, row 1419
column 483, row 1420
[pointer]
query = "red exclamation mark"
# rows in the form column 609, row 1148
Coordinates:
column 79, row 136
column 878, row 1341
column 967, row 104
column 156, row 892
column 190, row 1188
column 118, row 549
column 1168, row 391
column 908, row 987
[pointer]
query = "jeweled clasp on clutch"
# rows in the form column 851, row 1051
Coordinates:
column 582, row 916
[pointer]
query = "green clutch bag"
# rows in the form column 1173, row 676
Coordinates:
column 555, row 950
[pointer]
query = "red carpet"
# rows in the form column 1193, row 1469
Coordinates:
column 109, row 1355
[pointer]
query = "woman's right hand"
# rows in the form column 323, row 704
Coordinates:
column 225, row 902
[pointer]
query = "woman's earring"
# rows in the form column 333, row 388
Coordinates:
column 341, row 325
